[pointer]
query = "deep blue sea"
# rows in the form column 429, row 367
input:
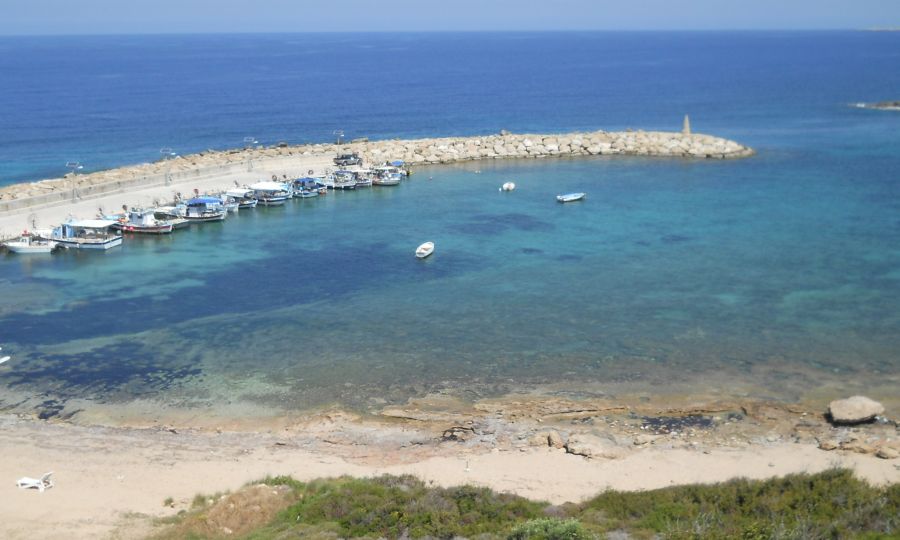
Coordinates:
column 776, row 276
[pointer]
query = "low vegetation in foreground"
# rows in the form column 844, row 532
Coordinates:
column 832, row 504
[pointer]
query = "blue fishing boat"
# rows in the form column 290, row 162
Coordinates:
column 306, row 187
column 203, row 209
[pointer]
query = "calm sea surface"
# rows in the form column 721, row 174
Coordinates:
column 771, row 276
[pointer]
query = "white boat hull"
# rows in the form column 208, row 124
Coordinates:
column 30, row 247
column 425, row 250
column 570, row 197
column 90, row 243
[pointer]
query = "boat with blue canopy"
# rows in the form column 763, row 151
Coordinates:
column 204, row 209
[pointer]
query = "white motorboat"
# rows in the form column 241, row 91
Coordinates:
column 339, row 180
column 424, row 250
column 138, row 220
column 271, row 193
column 244, row 197
column 84, row 234
column 203, row 209
column 570, row 197
column 30, row 244
column 508, row 186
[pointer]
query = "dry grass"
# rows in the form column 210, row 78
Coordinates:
column 233, row 515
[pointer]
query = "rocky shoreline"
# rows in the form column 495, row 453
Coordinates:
column 416, row 152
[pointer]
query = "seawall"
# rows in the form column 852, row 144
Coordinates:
column 204, row 165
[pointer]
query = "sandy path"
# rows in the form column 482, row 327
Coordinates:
column 108, row 480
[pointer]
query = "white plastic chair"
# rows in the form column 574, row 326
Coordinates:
column 39, row 484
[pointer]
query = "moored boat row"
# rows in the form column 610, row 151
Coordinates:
column 106, row 230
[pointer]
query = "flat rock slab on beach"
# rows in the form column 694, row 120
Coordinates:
column 854, row 410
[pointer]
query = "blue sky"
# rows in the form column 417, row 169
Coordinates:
column 167, row 16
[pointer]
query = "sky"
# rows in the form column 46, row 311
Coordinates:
column 27, row 17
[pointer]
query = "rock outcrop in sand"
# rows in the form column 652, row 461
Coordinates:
column 854, row 410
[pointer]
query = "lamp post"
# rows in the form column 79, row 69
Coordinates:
column 75, row 166
column 339, row 133
column 167, row 155
column 248, row 143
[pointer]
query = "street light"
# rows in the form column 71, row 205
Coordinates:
column 167, row 154
column 75, row 166
column 249, row 142
column 339, row 133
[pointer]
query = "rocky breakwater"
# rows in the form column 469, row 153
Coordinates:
column 299, row 159
column 507, row 145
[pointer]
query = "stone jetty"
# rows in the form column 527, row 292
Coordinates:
column 417, row 152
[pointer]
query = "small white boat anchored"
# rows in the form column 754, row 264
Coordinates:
column 424, row 250
column 508, row 186
column 30, row 244
column 570, row 197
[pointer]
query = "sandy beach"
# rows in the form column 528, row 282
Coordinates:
column 111, row 481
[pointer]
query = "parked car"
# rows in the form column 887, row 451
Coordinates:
column 344, row 160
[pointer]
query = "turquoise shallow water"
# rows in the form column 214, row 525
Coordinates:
column 669, row 273
column 776, row 276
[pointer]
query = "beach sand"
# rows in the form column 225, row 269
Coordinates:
column 111, row 481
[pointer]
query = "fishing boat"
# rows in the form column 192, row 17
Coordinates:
column 424, row 250
column 363, row 178
column 173, row 214
column 508, row 186
column 271, row 193
column 29, row 243
column 339, row 180
column 401, row 167
column 84, row 234
column 306, row 187
column 387, row 175
column 143, row 221
column 570, row 197
column 244, row 197
column 204, row 209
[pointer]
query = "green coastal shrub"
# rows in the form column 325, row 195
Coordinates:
column 549, row 529
column 833, row 504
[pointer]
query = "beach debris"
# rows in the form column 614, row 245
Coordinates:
column 39, row 484
column 854, row 410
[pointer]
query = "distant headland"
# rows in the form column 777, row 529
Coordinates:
column 880, row 105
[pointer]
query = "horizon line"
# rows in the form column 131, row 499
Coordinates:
column 479, row 31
